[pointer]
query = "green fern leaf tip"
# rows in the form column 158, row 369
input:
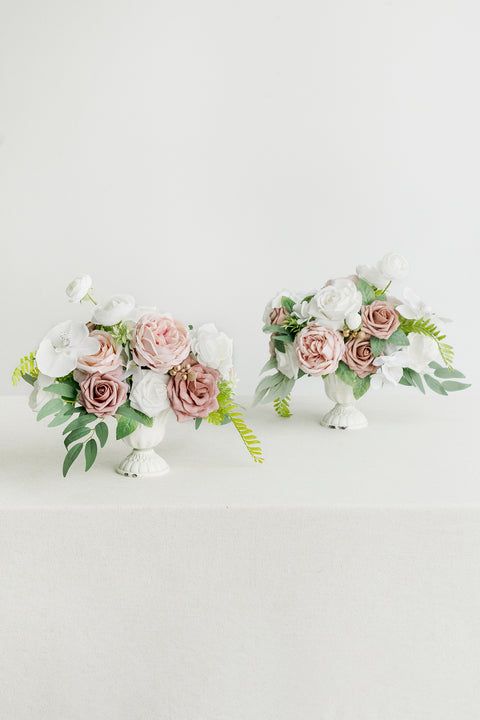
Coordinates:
column 282, row 407
column 426, row 327
column 26, row 366
column 228, row 411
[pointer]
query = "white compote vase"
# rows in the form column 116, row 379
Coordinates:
column 143, row 461
column 344, row 415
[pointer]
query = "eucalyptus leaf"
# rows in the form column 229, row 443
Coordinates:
column 70, row 457
column 76, row 435
column 434, row 385
column 198, row 422
column 453, row 386
column 269, row 365
column 279, row 345
column 90, row 453
column 399, row 338
column 377, row 345
column 101, row 430
column 287, row 304
column 415, row 378
column 125, row 426
column 64, row 389
column 79, row 422
column 29, row 379
column 448, row 373
column 345, row 374
column 59, row 419
column 50, row 407
column 361, row 387
column 367, row 291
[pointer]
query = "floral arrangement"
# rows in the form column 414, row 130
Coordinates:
column 130, row 364
column 356, row 329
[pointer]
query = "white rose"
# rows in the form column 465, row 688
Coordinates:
column 149, row 392
column 337, row 302
column 78, row 288
column 38, row 397
column 276, row 302
column 60, row 349
column 393, row 266
column 213, row 348
column 118, row 308
column 287, row 361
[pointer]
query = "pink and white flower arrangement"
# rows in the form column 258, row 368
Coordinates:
column 129, row 365
column 357, row 329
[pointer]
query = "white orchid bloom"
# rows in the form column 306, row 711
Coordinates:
column 38, row 397
column 413, row 307
column 420, row 353
column 390, row 370
column 60, row 349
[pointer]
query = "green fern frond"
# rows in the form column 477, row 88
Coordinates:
column 228, row 411
column 282, row 406
column 26, row 366
column 426, row 327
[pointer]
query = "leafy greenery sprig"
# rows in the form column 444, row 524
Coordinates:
column 427, row 327
column 282, row 406
column 443, row 382
column 26, row 370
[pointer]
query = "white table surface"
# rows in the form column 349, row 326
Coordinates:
column 338, row 581
column 417, row 451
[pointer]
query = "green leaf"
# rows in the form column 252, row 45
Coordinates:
column 271, row 328
column 399, row 338
column 413, row 379
column 269, row 365
column 377, row 345
column 287, row 304
column 279, row 345
column 435, row 366
column 64, row 389
column 50, row 407
column 345, row 374
column 405, row 379
column 452, row 386
column 90, row 454
column 102, row 433
column 59, row 419
column 29, row 378
column 130, row 413
column 79, row 422
column 125, row 426
column 361, row 387
column 70, row 457
column 367, row 291
column 448, row 373
column 198, row 422
column 282, row 406
column 76, row 435
column 435, row 385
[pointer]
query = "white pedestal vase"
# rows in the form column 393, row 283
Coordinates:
column 143, row 461
column 344, row 415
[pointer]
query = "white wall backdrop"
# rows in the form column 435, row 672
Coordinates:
column 201, row 155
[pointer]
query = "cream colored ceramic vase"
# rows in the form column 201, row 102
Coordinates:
column 143, row 461
column 344, row 415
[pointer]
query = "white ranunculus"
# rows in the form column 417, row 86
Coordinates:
column 413, row 308
column 60, row 349
column 420, row 353
column 287, row 362
column 276, row 302
column 213, row 348
column 393, row 266
column 78, row 288
column 336, row 302
column 38, row 397
column 372, row 275
column 149, row 392
column 118, row 308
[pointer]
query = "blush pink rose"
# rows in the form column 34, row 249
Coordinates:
column 319, row 349
column 359, row 357
column 102, row 395
column 193, row 391
column 278, row 316
column 159, row 342
column 106, row 359
column 380, row 319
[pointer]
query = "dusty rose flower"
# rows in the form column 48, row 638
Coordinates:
column 103, row 394
column 379, row 319
column 159, row 342
column 359, row 357
column 278, row 315
column 319, row 349
column 193, row 390
column 106, row 359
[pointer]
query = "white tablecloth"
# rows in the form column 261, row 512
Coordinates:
column 340, row 581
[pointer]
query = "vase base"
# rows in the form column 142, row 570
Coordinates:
column 143, row 463
column 344, row 417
